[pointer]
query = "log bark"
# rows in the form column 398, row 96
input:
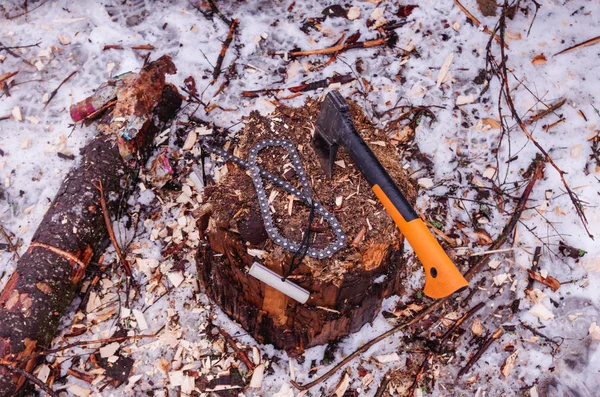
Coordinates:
column 346, row 289
column 49, row 273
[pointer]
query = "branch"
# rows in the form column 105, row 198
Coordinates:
column 33, row 379
column 580, row 45
column 224, row 48
column 111, row 232
column 486, row 345
column 478, row 24
column 53, row 93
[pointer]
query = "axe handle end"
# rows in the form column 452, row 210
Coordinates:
column 442, row 278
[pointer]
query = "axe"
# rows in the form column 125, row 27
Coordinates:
column 334, row 128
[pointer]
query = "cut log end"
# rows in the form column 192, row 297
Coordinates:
column 346, row 289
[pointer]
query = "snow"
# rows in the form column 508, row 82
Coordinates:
column 463, row 147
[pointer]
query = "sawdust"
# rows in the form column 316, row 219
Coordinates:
column 234, row 199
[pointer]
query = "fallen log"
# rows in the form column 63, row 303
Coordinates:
column 346, row 289
column 48, row 274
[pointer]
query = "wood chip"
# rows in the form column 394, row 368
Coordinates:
column 500, row 279
column 509, row 364
column 353, row 13
column 465, row 99
column 493, row 123
column 550, row 281
column 444, row 70
column 594, row 331
column 16, row 113
column 79, row 391
column 388, row 358
column 190, row 141
column 539, row 59
column 109, row 350
column 541, row 311
column 477, row 328
column 257, row 376
column 140, row 319
column 176, row 278
column 426, row 183
column 64, row 39
column 341, row 388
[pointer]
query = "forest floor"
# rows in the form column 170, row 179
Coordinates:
column 472, row 101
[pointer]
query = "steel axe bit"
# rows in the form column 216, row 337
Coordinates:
column 334, row 128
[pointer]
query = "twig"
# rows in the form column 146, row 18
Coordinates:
column 12, row 248
column 224, row 48
column 383, row 385
column 586, row 43
column 242, row 354
column 18, row 47
column 537, row 8
column 461, row 320
column 419, row 374
column 444, row 337
column 502, row 74
column 148, row 47
column 215, row 9
column 33, row 379
column 538, row 333
column 28, row 11
column 506, row 232
column 90, row 342
column 336, row 49
column 486, row 345
column 478, row 24
column 342, row 79
column 109, row 228
column 53, row 93
column 534, row 266
column 545, row 112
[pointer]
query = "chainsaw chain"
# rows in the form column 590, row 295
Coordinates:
column 304, row 194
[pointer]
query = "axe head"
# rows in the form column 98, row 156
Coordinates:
column 332, row 125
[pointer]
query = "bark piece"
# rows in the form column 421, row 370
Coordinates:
column 70, row 234
column 347, row 289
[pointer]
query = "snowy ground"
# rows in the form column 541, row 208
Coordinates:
column 469, row 166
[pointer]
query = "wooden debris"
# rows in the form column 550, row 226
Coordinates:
column 550, row 281
column 509, row 364
column 55, row 91
column 478, row 24
column 224, row 48
column 586, row 43
column 486, row 345
column 345, row 47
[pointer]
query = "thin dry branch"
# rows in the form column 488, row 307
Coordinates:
column 586, row 43
column 224, row 48
column 111, row 232
column 501, row 71
column 28, row 11
column 33, row 379
column 486, row 345
column 545, row 112
column 336, row 49
column 241, row 354
column 55, row 91
column 11, row 246
column 478, row 24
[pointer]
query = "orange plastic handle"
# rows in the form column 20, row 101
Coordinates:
column 442, row 278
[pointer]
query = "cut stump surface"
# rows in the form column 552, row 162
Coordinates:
column 346, row 289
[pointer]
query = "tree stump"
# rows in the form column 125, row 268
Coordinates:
column 346, row 289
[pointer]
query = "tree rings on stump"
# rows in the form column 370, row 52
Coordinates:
column 347, row 289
